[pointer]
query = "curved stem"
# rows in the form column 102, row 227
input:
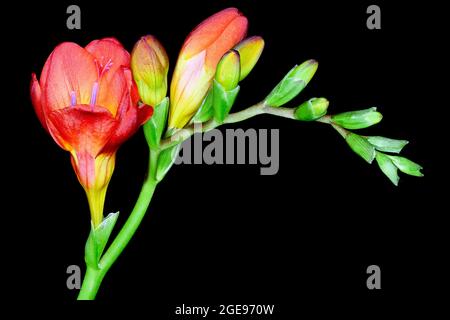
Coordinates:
column 93, row 277
column 257, row 109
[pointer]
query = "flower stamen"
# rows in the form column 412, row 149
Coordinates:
column 73, row 98
column 94, row 94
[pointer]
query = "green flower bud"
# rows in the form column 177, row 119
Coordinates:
column 387, row 167
column 150, row 64
column 312, row 109
column 228, row 70
column 292, row 84
column 361, row 146
column 386, row 144
column 407, row 166
column 357, row 119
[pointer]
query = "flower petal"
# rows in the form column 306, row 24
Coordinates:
column 129, row 116
column 82, row 128
column 109, row 54
column 111, row 90
column 35, row 89
column 69, row 75
column 230, row 37
column 209, row 30
column 145, row 112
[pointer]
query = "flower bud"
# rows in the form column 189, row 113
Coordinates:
column 361, row 146
column 312, row 109
column 357, row 119
column 387, row 145
column 387, row 167
column 249, row 50
column 229, row 70
column 292, row 84
column 196, row 66
column 150, row 64
column 407, row 166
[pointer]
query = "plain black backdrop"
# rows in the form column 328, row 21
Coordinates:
column 301, row 239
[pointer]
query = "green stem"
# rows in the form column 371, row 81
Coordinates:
column 91, row 283
column 93, row 277
column 257, row 109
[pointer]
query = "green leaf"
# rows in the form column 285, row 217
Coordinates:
column 386, row 144
column 387, row 166
column 205, row 112
column 361, row 147
column 407, row 166
column 165, row 160
column 357, row 119
column 98, row 238
column 154, row 128
column 292, row 84
column 223, row 100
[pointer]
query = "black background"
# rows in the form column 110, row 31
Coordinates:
column 301, row 239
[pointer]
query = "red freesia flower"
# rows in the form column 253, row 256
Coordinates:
column 88, row 102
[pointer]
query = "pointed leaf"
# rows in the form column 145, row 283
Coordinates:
column 205, row 112
column 154, row 128
column 223, row 100
column 165, row 160
column 90, row 251
column 98, row 238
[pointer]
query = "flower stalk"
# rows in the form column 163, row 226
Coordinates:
column 93, row 277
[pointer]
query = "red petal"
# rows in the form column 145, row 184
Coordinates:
column 127, row 125
column 229, row 21
column 112, row 89
column 132, row 87
column 231, row 35
column 145, row 112
column 82, row 128
column 69, row 70
column 109, row 53
column 36, row 100
column 112, row 39
column 130, row 117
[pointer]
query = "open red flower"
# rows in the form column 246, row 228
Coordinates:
column 88, row 102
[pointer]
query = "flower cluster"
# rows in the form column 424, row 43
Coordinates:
column 92, row 99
